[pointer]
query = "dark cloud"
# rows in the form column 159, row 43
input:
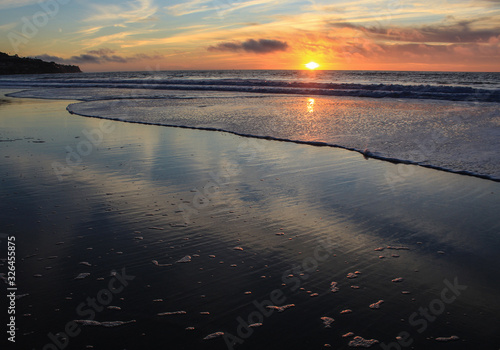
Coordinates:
column 458, row 32
column 260, row 46
column 99, row 56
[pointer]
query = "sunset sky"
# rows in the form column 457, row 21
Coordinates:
column 255, row 34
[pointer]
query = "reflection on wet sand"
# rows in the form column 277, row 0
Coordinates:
column 273, row 232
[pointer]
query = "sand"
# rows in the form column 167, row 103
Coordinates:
column 210, row 193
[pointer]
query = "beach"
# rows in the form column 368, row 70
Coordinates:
column 130, row 235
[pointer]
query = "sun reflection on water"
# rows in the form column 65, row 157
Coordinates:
column 310, row 105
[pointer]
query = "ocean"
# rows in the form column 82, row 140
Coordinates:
column 454, row 86
column 444, row 120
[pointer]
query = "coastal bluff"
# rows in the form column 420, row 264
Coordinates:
column 20, row 65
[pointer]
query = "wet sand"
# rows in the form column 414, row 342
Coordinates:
column 197, row 239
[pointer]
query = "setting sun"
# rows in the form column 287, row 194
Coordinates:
column 312, row 65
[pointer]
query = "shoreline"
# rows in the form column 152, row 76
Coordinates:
column 366, row 153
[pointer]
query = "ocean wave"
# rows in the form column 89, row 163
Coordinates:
column 400, row 91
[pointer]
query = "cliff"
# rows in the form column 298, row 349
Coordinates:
column 19, row 65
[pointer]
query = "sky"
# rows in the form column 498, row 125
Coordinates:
column 153, row 35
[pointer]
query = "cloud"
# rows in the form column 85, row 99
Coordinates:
column 260, row 46
column 222, row 7
column 131, row 11
column 99, row 56
column 458, row 32
column 189, row 7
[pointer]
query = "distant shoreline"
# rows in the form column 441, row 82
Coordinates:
column 24, row 65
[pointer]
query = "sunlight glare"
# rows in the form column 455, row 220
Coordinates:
column 312, row 65
column 310, row 105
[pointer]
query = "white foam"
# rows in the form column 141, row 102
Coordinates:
column 376, row 305
column 214, row 335
column 360, row 342
column 82, row 276
column 280, row 308
column 185, row 259
column 168, row 313
column 327, row 321
column 445, row 339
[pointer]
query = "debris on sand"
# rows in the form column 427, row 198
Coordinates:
column 82, row 276
column 352, row 275
column 238, row 248
column 347, row 335
column 333, row 287
column 376, row 305
column 398, row 279
column 346, row 311
column 360, row 342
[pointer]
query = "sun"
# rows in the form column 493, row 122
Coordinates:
column 312, row 65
